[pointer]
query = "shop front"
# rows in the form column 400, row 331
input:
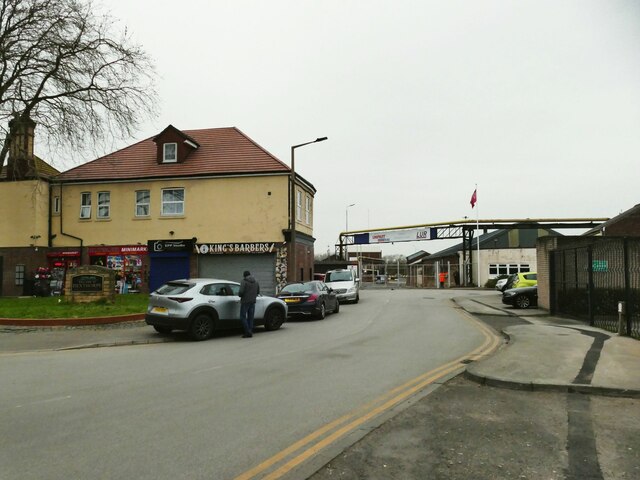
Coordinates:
column 265, row 260
column 170, row 260
column 130, row 263
column 59, row 262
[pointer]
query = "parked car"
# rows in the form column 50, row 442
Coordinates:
column 312, row 298
column 522, row 279
column 202, row 305
column 501, row 284
column 523, row 297
column 345, row 283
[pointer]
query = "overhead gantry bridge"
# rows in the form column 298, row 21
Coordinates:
column 464, row 229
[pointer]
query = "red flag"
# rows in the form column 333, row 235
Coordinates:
column 474, row 198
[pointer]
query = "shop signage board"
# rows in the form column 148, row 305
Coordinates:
column 157, row 246
column 119, row 250
column 70, row 253
column 86, row 283
column 235, row 248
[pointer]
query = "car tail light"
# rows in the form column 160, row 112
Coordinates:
column 312, row 298
column 180, row 299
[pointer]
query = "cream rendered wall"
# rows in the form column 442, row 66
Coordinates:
column 24, row 209
column 217, row 210
column 510, row 255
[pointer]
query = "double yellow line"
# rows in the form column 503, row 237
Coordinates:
column 313, row 443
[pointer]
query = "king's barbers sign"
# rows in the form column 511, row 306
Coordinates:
column 234, row 248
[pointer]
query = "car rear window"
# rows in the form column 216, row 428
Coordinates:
column 299, row 288
column 338, row 276
column 174, row 288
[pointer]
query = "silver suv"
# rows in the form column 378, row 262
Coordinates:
column 345, row 283
column 202, row 305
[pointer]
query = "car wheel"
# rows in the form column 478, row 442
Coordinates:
column 162, row 329
column 337, row 309
column 273, row 319
column 522, row 301
column 357, row 298
column 201, row 327
column 322, row 312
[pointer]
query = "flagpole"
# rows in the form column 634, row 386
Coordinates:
column 478, row 233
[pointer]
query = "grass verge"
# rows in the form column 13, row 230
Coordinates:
column 57, row 307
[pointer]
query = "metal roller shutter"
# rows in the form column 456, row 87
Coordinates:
column 231, row 267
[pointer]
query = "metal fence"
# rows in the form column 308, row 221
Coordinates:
column 417, row 276
column 589, row 281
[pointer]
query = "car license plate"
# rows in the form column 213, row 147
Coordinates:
column 160, row 310
column 292, row 300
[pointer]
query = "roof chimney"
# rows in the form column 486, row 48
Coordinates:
column 21, row 162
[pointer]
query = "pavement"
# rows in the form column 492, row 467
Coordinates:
column 541, row 355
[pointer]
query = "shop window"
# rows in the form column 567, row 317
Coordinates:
column 20, row 269
column 170, row 153
column 104, row 204
column 307, row 211
column 143, row 203
column 173, row 201
column 85, row 205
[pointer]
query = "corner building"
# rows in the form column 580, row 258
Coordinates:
column 207, row 203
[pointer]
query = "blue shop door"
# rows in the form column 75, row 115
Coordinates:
column 164, row 269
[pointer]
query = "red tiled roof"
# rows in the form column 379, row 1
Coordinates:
column 222, row 151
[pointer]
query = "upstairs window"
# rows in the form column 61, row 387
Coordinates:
column 173, row 201
column 307, row 211
column 170, row 153
column 85, row 205
column 56, row 205
column 104, row 204
column 143, row 201
column 298, row 205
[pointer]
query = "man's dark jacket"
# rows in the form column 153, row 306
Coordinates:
column 249, row 290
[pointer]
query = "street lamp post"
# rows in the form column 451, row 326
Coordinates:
column 292, row 212
column 346, row 245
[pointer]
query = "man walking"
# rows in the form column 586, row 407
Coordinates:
column 249, row 290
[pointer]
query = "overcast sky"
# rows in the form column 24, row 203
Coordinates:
column 535, row 101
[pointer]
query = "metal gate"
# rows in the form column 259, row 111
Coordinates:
column 589, row 281
column 230, row 267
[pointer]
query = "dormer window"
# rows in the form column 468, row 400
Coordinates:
column 174, row 146
column 169, row 152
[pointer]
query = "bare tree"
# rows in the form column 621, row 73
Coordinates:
column 69, row 70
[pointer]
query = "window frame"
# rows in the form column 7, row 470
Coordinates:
column 497, row 269
column 55, row 209
column 20, row 272
column 307, row 210
column 163, row 213
column 85, row 206
column 103, row 206
column 165, row 159
column 298, row 205
column 139, row 204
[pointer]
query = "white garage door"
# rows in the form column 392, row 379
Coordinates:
column 231, row 267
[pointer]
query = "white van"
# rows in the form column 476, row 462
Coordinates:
column 345, row 283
